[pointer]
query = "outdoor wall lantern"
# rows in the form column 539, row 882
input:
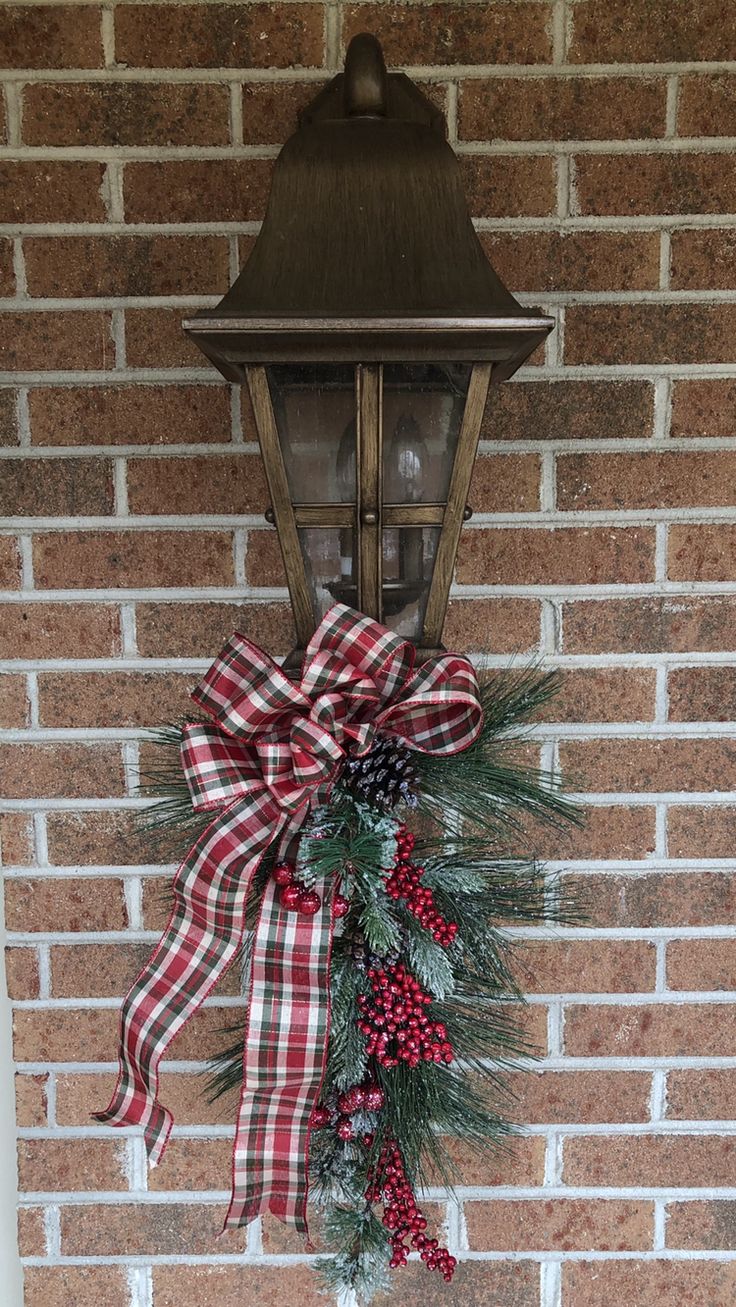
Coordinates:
column 368, row 324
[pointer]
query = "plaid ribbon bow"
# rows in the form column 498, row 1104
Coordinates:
column 272, row 751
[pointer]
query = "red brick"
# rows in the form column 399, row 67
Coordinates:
column 569, row 410
column 587, row 966
column 650, row 765
column 563, row 1224
column 14, row 710
column 60, row 770
column 662, row 899
column 95, row 970
column 59, row 631
column 21, row 972
column 56, row 487
column 698, row 694
column 220, row 483
column 701, row 964
column 57, row 36
column 8, row 418
column 606, row 694
column 701, row 1225
column 676, row 623
column 182, row 630
column 700, row 832
column 703, row 407
column 577, row 260
column 673, row 1161
column 519, row 1160
column 679, row 182
column 270, row 110
column 703, row 260
column 508, row 186
column 454, row 33
column 706, row 105
column 60, row 191
column 130, row 415
column 84, row 1286
column 16, row 839
column 125, row 113
column 51, row 341
column 561, row 108
column 567, row 556
column 197, row 190
column 48, row 1165
column 700, row 1095
column 506, row 483
column 65, row 1035
column 194, row 1164
column 650, row 1030
column 125, row 265
column 145, row 1229
column 65, row 903
column 31, row 1104
column 648, row 1284
column 702, row 553
column 31, row 1232
column 7, row 274
column 80, row 1094
column 9, row 564
column 607, row 832
column 606, row 32
column 583, row 1097
column 491, row 625
column 650, row 333
column 268, row 1286
column 101, row 559
column 104, row 839
column 212, row 35
column 671, row 480
column 154, row 338
column 113, row 698
column 263, row 561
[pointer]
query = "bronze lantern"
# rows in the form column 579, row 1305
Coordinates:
column 367, row 324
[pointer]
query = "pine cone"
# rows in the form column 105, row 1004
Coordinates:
column 384, row 776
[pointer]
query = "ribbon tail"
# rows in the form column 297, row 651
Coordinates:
column 284, row 1060
column 200, row 942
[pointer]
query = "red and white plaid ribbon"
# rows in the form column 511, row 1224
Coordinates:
column 273, row 750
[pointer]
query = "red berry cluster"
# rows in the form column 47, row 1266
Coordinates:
column 395, row 1021
column 404, row 883
column 402, row 1217
column 360, row 1098
column 295, row 896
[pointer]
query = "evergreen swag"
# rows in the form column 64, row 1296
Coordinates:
column 422, row 972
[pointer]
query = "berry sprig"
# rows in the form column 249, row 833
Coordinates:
column 359, row 1098
column 395, row 1021
column 404, row 883
column 401, row 1215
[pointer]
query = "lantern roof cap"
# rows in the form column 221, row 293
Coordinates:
column 367, row 250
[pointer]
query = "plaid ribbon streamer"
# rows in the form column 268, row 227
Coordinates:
column 272, row 750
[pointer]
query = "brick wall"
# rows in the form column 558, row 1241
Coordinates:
column 596, row 137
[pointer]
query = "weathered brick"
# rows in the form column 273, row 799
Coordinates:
column 701, row 964
column 656, row 1160
column 14, row 707
column 569, row 410
column 662, row 899
column 698, row 694
column 48, row 1165
column 113, row 698
column 700, row 832
column 671, row 480
column 702, row 260
column 58, row 191
column 124, row 265
column 614, row 831
column 31, row 1232
column 68, row 1035
column 576, row 260
column 563, row 1224
column 8, row 418
column 197, row 190
column 491, row 625
column 185, row 1286
column 194, row 1164
column 104, row 839
column 567, row 556
column 61, row 770
column 220, row 483
column 587, row 966
column 154, row 338
column 270, row 110
column 125, row 113
column 212, row 35
column 562, row 108
column 652, row 765
column 605, row 694
column 681, row 182
column 79, row 1094
column 474, row 1284
column 701, row 1225
column 700, row 1095
column 454, row 33
column 140, row 1229
column 703, row 407
column 503, row 186
column 59, row 630
column 9, row 563
column 54, row 36
column 101, row 559
column 650, row 1030
column 650, row 333
column 54, row 340
column 16, row 839
column 263, row 562
column 519, row 1161
column 67, row 903
column 95, row 970
column 21, row 972
column 650, row 624
column 85, row 1286
column 506, row 483
column 605, row 32
column 130, row 415
column 649, row 1283
column 702, row 553
column 31, row 1101
column 56, row 487
column 198, row 630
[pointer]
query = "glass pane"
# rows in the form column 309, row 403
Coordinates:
column 423, row 405
column 408, row 563
column 314, row 407
column 331, row 565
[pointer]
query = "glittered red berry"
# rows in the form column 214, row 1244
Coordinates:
column 291, row 897
column 345, row 1130
column 309, row 902
column 283, row 874
column 341, row 905
column 374, row 1098
column 320, row 1118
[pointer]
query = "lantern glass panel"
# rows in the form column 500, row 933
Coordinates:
column 329, row 558
column 423, row 406
column 314, row 408
column 408, row 562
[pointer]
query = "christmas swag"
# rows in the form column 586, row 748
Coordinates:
column 382, row 1004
